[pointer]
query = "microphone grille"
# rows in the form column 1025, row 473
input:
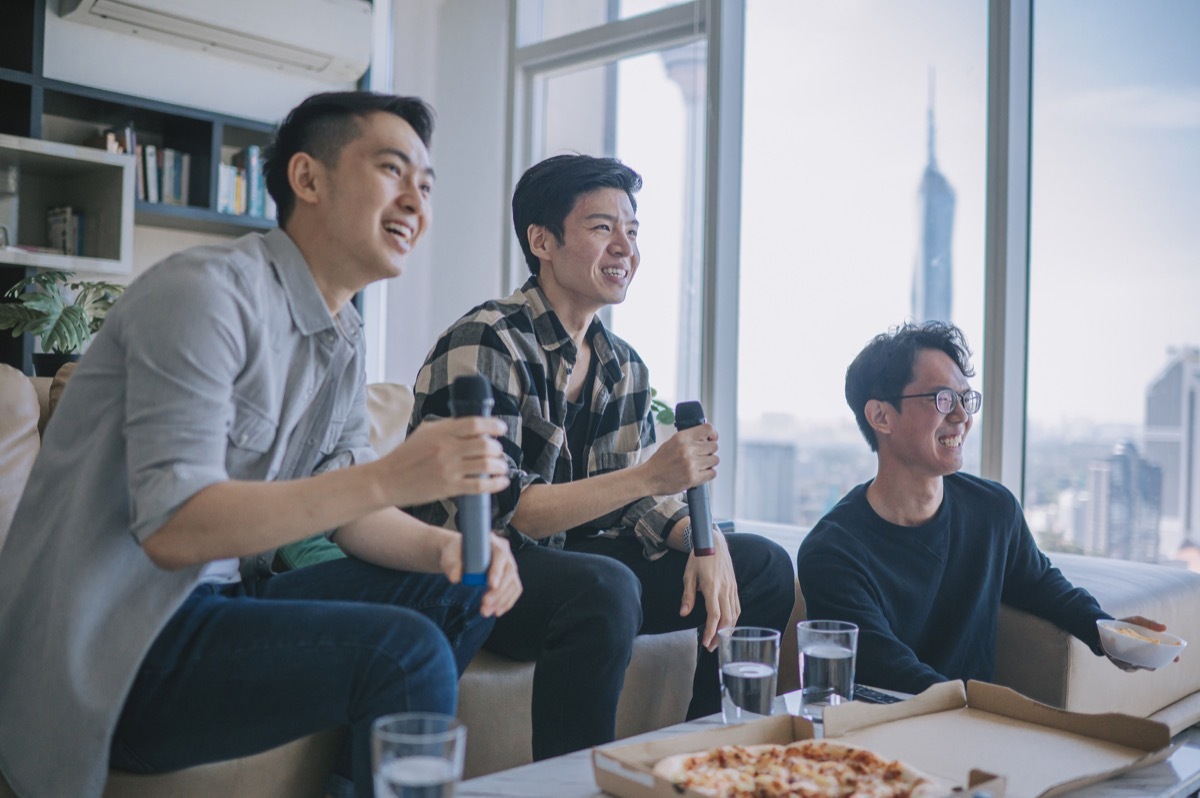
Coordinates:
column 688, row 414
column 470, row 388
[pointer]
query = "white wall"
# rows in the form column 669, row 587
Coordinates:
column 453, row 53
column 121, row 62
column 105, row 59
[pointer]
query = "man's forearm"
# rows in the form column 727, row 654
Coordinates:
column 394, row 539
column 237, row 519
column 545, row 510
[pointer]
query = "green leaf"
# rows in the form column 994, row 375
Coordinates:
column 69, row 332
column 40, row 308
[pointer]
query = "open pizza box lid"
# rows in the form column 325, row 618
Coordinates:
column 978, row 736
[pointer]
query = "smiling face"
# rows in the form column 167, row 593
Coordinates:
column 598, row 256
column 920, row 439
column 377, row 198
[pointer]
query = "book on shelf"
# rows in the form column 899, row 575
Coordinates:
column 114, row 139
column 184, row 170
column 249, row 160
column 166, row 170
column 151, row 158
column 64, row 228
column 139, row 182
column 106, row 141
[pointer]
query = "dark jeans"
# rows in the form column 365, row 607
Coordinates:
column 242, row 669
column 576, row 618
column 582, row 608
column 766, row 589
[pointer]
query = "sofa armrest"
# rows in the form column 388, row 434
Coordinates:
column 1041, row 661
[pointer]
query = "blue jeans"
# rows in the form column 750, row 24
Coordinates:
column 244, row 668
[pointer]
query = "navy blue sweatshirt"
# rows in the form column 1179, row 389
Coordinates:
column 926, row 598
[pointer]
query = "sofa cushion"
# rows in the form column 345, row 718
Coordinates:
column 389, row 404
column 19, row 441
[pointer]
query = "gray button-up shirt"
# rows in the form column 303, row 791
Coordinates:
column 221, row 362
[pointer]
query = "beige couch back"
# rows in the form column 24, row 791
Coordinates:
column 20, row 411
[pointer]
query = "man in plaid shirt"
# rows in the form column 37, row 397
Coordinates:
column 602, row 540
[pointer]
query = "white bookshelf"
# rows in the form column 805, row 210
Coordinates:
column 97, row 183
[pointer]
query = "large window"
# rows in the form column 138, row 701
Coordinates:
column 1114, row 370
column 862, row 206
column 861, row 164
column 539, row 20
column 642, row 101
column 602, row 110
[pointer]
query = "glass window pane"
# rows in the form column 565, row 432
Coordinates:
column 863, row 167
column 1112, row 446
column 603, row 110
column 539, row 20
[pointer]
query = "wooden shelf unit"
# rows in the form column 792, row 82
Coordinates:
column 37, row 107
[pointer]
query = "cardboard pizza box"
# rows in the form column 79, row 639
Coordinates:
column 977, row 736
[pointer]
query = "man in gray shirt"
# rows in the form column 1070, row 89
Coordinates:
column 220, row 413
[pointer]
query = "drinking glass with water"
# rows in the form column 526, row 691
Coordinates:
column 827, row 650
column 749, row 657
column 417, row 755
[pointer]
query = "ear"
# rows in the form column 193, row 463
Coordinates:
column 306, row 177
column 879, row 415
column 541, row 241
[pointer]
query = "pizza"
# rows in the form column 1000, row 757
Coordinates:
column 803, row 769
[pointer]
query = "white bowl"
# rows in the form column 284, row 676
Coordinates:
column 1148, row 649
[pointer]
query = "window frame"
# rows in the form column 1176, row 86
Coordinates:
column 721, row 24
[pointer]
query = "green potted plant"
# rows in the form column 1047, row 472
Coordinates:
column 62, row 312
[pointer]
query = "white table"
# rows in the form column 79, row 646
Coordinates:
column 570, row 776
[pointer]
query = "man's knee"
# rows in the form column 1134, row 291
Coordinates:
column 610, row 596
column 762, row 567
column 409, row 647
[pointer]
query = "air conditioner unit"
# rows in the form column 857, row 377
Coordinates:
column 325, row 39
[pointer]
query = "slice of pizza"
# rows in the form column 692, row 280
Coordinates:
column 803, row 769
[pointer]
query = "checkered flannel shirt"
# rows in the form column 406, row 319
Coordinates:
column 520, row 346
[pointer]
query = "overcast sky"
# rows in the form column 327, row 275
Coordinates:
column 835, row 143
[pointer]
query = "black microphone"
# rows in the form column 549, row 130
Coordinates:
column 472, row 396
column 688, row 415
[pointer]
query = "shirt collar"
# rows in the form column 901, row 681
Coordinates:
column 309, row 312
column 552, row 336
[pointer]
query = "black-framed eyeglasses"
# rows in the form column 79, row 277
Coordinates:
column 946, row 400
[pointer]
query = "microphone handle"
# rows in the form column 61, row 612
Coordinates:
column 474, row 522
column 700, row 512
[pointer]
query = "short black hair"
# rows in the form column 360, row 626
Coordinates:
column 548, row 191
column 885, row 366
column 323, row 125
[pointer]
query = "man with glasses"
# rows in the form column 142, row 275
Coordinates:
column 921, row 557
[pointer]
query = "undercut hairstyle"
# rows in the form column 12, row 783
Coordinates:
column 548, row 191
column 885, row 366
column 323, row 125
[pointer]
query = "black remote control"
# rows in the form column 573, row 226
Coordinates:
column 871, row 696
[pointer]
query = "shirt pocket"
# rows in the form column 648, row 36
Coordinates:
column 541, row 444
column 333, row 434
column 251, row 437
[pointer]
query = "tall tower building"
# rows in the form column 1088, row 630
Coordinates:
column 1122, row 518
column 1172, row 440
column 932, row 277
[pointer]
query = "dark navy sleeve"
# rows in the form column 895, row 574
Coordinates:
column 836, row 586
column 1033, row 584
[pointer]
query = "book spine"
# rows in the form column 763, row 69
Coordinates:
column 139, row 163
column 167, row 158
column 185, row 182
column 151, row 152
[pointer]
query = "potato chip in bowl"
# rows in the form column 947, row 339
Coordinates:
column 1138, row 645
